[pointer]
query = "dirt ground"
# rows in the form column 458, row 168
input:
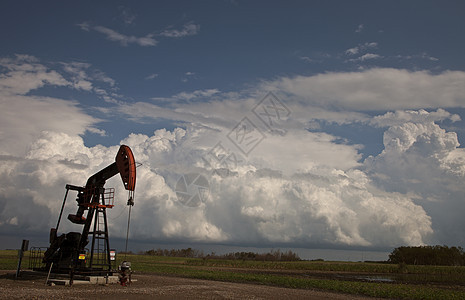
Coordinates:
column 149, row 286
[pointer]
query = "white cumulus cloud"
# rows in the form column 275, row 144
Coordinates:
column 255, row 201
column 424, row 160
column 400, row 117
column 294, row 187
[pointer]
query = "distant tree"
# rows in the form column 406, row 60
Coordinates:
column 274, row 255
column 428, row 255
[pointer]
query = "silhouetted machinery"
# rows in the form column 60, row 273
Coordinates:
column 67, row 252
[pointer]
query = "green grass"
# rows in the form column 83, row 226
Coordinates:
column 350, row 287
column 330, row 266
column 9, row 260
column 267, row 273
column 216, row 270
column 384, row 290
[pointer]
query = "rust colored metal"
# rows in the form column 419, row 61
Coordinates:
column 126, row 167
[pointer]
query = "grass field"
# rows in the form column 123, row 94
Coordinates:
column 370, row 279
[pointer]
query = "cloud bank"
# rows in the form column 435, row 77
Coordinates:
column 295, row 187
column 248, row 203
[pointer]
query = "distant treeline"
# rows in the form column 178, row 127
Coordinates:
column 274, row 255
column 428, row 255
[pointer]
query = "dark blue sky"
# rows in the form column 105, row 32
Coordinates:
column 238, row 42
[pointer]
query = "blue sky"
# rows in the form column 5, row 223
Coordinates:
column 368, row 155
column 232, row 45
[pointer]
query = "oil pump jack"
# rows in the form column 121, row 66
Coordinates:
column 67, row 252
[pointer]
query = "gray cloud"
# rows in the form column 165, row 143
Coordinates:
column 375, row 89
column 123, row 39
column 24, row 74
column 187, row 30
column 25, row 116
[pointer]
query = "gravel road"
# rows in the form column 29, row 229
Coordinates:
column 149, row 286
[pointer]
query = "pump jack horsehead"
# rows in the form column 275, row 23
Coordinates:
column 67, row 252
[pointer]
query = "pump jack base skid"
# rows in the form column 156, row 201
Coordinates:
column 64, row 279
column 77, row 272
column 87, row 280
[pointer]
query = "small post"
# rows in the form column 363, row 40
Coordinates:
column 49, row 270
column 24, row 247
column 71, row 276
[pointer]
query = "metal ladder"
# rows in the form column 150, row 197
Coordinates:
column 100, row 250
